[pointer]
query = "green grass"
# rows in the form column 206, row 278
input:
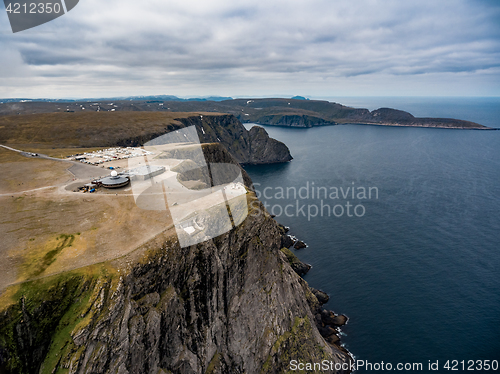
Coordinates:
column 295, row 344
column 51, row 309
column 38, row 261
column 214, row 363
column 290, row 256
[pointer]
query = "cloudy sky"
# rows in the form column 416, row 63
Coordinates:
column 315, row 48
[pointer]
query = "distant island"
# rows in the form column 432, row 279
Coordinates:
column 295, row 112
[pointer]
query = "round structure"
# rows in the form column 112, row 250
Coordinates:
column 114, row 181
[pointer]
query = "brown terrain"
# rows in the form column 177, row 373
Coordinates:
column 268, row 111
column 47, row 229
column 39, row 132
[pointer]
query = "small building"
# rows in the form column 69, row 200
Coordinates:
column 114, row 181
column 145, row 172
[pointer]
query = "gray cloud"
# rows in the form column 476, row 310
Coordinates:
column 219, row 47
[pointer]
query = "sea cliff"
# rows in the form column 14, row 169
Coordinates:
column 109, row 129
column 229, row 305
column 232, row 304
column 247, row 147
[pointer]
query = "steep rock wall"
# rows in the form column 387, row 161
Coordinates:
column 247, row 147
column 293, row 120
column 229, row 305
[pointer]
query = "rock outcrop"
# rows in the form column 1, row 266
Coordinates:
column 299, row 244
column 320, row 295
column 266, row 150
column 247, row 147
column 301, row 268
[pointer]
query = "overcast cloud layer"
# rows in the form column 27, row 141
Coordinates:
column 261, row 48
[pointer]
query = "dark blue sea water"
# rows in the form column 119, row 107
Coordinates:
column 419, row 273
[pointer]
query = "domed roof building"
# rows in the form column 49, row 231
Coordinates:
column 114, row 181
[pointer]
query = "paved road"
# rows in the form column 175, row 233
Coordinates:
column 32, row 154
column 79, row 170
column 9, row 148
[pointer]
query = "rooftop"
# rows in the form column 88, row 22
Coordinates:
column 146, row 170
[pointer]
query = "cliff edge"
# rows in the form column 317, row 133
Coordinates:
column 247, row 147
column 232, row 304
column 229, row 305
column 110, row 129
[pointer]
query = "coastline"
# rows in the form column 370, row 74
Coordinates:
column 427, row 179
column 173, row 291
column 484, row 128
column 328, row 323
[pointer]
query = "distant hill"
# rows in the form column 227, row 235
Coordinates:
column 129, row 98
column 295, row 112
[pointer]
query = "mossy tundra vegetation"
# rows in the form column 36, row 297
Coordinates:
column 90, row 283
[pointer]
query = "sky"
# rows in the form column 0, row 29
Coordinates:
column 313, row 48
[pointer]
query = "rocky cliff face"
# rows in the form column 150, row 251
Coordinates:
column 247, row 147
column 229, row 305
column 294, row 120
column 232, row 304
column 266, row 150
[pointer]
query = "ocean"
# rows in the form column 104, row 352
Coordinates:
column 415, row 265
